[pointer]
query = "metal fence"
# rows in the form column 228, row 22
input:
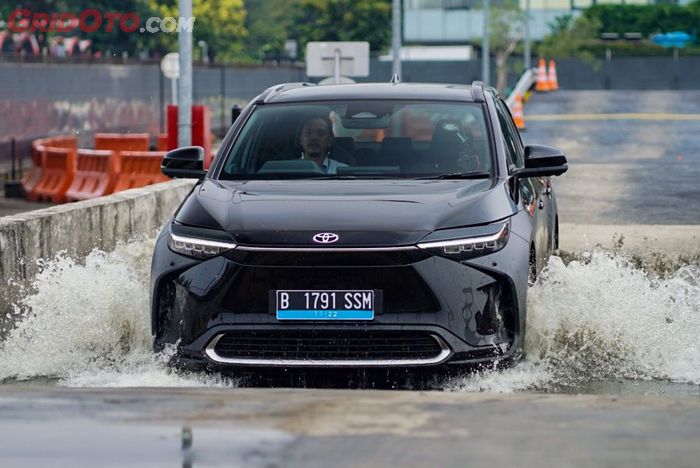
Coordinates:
column 643, row 73
column 40, row 99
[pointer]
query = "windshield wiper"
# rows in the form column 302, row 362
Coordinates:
column 459, row 175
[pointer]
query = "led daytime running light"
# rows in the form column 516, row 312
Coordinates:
column 200, row 248
column 472, row 245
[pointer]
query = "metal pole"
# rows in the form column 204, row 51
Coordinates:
column 184, row 111
column 13, row 156
column 336, row 66
column 222, row 82
column 527, row 54
column 396, row 37
column 161, row 102
column 485, row 52
column 173, row 91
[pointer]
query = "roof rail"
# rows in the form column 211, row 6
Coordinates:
column 270, row 92
column 478, row 90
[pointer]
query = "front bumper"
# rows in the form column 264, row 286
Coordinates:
column 473, row 310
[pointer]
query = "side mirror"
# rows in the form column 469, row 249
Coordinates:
column 542, row 161
column 235, row 113
column 184, row 163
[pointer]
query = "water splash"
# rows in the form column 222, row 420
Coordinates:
column 87, row 324
column 599, row 317
column 604, row 318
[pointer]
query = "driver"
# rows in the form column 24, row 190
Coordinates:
column 316, row 143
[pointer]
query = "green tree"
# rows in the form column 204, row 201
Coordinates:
column 268, row 23
column 645, row 19
column 220, row 23
column 343, row 20
column 505, row 31
column 116, row 40
column 569, row 36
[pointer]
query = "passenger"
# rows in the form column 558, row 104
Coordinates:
column 316, row 143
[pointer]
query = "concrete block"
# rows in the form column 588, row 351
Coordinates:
column 78, row 228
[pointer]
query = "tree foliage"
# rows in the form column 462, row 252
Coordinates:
column 116, row 41
column 569, row 37
column 645, row 19
column 268, row 23
column 505, row 32
column 220, row 23
column 343, row 20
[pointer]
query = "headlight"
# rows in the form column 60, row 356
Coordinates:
column 469, row 247
column 198, row 248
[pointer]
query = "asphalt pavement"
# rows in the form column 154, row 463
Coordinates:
column 634, row 155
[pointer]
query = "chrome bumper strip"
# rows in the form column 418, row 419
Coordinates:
column 440, row 357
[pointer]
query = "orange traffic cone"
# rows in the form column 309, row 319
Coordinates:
column 552, row 76
column 542, row 83
column 518, row 116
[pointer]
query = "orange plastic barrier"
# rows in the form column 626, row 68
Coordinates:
column 61, row 141
column 119, row 142
column 32, row 178
column 95, row 174
column 138, row 169
column 162, row 144
column 57, row 174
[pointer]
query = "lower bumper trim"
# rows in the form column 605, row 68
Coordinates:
column 441, row 357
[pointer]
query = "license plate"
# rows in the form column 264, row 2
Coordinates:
column 325, row 305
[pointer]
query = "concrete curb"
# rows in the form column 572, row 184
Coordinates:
column 78, row 228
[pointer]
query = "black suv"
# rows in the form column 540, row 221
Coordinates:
column 357, row 225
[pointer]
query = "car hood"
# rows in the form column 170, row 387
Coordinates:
column 360, row 212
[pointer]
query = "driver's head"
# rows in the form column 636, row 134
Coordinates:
column 317, row 137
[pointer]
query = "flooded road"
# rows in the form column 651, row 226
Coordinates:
column 611, row 375
column 344, row 428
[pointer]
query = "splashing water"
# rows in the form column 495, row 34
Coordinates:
column 600, row 319
column 596, row 318
column 88, row 325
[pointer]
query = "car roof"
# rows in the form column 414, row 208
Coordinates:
column 303, row 92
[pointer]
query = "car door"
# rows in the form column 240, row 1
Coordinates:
column 532, row 189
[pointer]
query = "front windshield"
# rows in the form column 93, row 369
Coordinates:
column 361, row 139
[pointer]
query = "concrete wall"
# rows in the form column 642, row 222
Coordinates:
column 78, row 228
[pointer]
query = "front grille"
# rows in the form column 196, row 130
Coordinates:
column 327, row 345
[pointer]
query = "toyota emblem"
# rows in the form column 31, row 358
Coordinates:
column 326, row 238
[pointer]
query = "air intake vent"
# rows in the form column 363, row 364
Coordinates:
column 327, row 347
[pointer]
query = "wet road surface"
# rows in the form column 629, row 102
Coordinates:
column 631, row 172
column 622, row 170
column 311, row 428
